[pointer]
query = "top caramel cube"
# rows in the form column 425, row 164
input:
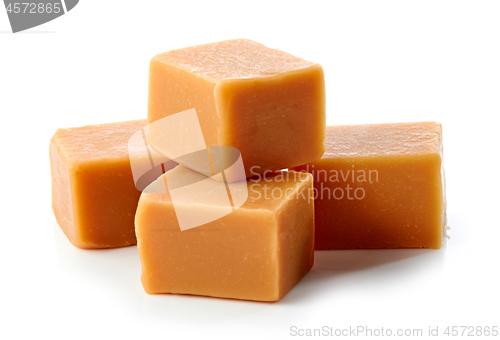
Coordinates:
column 268, row 104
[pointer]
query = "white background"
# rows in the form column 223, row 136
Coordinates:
column 384, row 61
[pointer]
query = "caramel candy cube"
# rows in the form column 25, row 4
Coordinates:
column 380, row 186
column 257, row 252
column 268, row 104
column 94, row 196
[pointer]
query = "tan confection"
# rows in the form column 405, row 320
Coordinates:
column 380, row 186
column 268, row 104
column 257, row 252
column 94, row 196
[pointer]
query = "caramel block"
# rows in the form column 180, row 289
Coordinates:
column 257, row 252
column 380, row 186
column 94, row 196
column 268, row 104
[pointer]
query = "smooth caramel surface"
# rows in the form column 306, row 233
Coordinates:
column 257, row 252
column 248, row 96
column 94, row 197
column 380, row 186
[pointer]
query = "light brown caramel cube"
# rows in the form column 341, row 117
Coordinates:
column 94, row 196
column 380, row 186
column 257, row 252
column 268, row 104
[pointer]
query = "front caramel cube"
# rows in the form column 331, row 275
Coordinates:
column 258, row 251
